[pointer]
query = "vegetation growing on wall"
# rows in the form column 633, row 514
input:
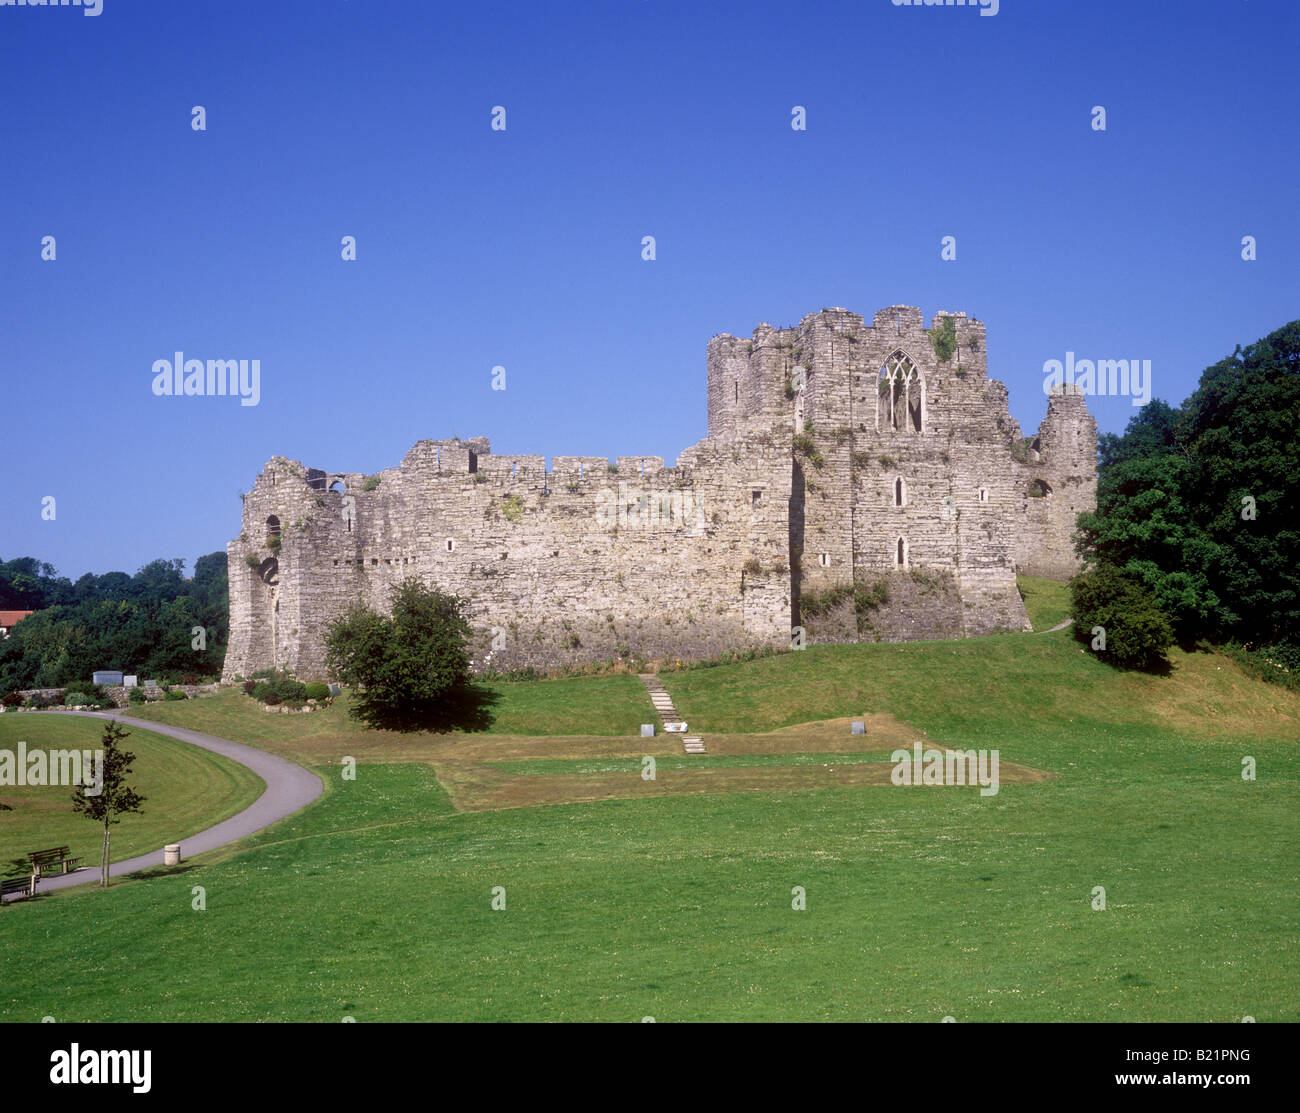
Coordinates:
column 866, row 597
column 512, row 507
column 943, row 338
column 806, row 447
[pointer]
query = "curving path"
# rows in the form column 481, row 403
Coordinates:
column 289, row 788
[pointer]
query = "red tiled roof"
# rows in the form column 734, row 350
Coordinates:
column 8, row 618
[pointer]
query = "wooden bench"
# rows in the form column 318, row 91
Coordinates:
column 25, row 885
column 47, row 859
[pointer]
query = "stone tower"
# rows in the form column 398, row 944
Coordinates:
column 905, row 459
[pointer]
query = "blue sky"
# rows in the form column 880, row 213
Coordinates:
column 522, row 248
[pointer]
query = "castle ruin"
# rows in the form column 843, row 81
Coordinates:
column 858, row 482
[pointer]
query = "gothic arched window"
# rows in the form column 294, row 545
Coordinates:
column 900, row 401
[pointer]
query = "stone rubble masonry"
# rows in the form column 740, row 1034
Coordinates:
column 796, row 489
column 120, row 695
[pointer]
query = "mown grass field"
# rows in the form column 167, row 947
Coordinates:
column 604, row 705
column 921, row 903
column 187, row 790
column 1046, row 601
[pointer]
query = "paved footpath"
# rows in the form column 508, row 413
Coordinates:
column 289, row 787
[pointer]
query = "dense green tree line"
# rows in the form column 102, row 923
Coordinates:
column 1199, row 506
column 142, row 624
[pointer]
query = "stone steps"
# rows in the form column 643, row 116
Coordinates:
column 659, row 697
column 663, row 704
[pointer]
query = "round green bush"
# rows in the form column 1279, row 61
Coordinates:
column 1137, row 632
column 317, row 691
column 173, row 694
column 290, row 691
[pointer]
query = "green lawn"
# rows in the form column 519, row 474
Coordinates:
column 922, row 903
column 187, row 790
column 1046, row 601
column 615, row 704
column 633, row 765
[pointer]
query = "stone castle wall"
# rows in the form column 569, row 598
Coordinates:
column 813, row 476
column 585, row 562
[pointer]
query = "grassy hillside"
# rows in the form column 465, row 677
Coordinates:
column 984, row 686
column 921, row 903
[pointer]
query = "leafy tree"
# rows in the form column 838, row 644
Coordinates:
column 1137, row 632
column 159, row 581
column 26, row 584
column 411, row 668
column 115, row 797
column 113, row 585
column 1244, row 458
column 1201, row 504
column 143, row 623
column 1144, row 525
column 1152, row 431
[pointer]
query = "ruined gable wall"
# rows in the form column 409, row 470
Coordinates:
column 1063, row 458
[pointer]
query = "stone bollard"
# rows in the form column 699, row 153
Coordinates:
column 172, row 854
